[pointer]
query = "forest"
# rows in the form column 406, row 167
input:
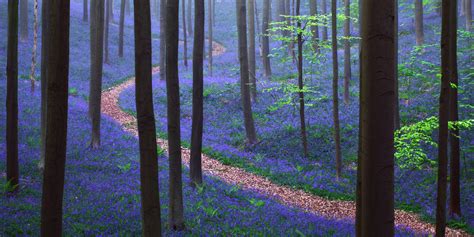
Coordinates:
column 236, row 118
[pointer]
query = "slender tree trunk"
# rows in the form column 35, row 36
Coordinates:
column 257, row 25
column 397, row 100
column 289, row 22
column 420, row 37
column 162, row 39
column 97, row 46
column 85, row 11
column 35, row 46
column 376, row 140
column 121, row 27
column 455, row 192
column 12, row 96
column 106, row 33
column 335, row 94
column 111, row 11
column 281, row 18
column 244, row 72
column 313, row 11
column 195, row 167
column 183, row 14
column 44, row 66
column 448, row 51
column 23, row 20
column 56, row 124
column 300, row 82
column 127, row 7
column 325, row 28
column 266, row 39
column 251, row 48
column 151, row 214
column 189, row 17
column 468, row 7
column 209, row 30
column 347, row 50
column 174, row 137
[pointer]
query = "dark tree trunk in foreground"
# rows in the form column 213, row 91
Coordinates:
column 44, row 65
column 174, row 137
column 23, row 20
column 267, row 69
column 448, row 53
column 244, row 72
column 420, row 37
column 35, row 46
column 347, row 51
column 162, row 39
column 189, row 17
column 376, row 145
column 185, row 37
column 325, row 12
column 195, row 167
column 56, row 124
column 209, row 31
column 97, row 46
column 313, row 11
column 151, row 215
column 106, row 33
column 85, row 11
column 121, row 27
column 455, row 190
column 335, row 94
column 251, row 48
column 12, row 95
column 300, row 83
column 397, row 97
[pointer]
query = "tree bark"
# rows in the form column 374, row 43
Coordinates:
column 313, row 11
column 127, row 7
column 35, row 46
column 265, row 39
column 448, row 51
column 12, row 96
column 347, row 51
column 257, row 26
column 420, row 37
column 23, row 20
column 397, row 97
column 195, row 167
column 251, row 48
column 97, row 46
column 174, row 137
column 106, row 33
column 185, row 37
column 189, row 17
column 376, row 140
column 85, row 11
column 151, row 214
column 335, row 94
column 162, row 39
column 121, row 27
column 209, row 31
column 300, row 82
column 325, row 28
column 56, row 124
column 44, row 66
column 244, row 72
column 468, row 7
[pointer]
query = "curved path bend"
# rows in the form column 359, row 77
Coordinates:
column 333, row 209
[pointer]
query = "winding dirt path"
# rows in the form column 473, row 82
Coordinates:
column 314, row 204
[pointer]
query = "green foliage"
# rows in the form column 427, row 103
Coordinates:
column 256, row 202
column 125, row 168
column 7, row 187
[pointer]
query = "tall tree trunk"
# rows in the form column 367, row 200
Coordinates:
column 12, row 96
column 189, row 17
column 335, row 94
column 397, row 97
column 281, row 18
column 244, row 72
column 151, row 214
column 127, row 7
column 209, row 31
column 23, row 20
column 106, row 33
column 251, row 48
column 35, row 45
column 325, row 28
column 289, row 22
column 174, row 137
column 97, row 47
column 44, row 65
column 313, row 11
column 300, row 82
column 468, row 7
column 448, row 51
column 347, row 50
column 185, row 37
column 111, row 11
column 85, row 11
column 257, row 25
column 121, row 27
column 455, row 195
column 376, row 140
column 266, row 39
column 195, row 167
column 162, row 39
column 56, row 124
column 420, row 37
